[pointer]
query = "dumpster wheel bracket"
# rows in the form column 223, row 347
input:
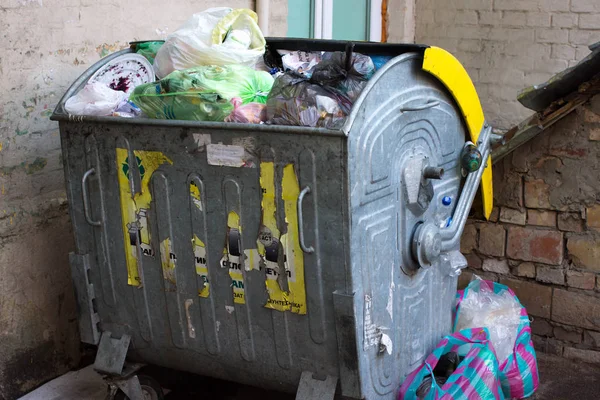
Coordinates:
column 311, row 388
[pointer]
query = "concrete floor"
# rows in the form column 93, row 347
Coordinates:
column 560, row 380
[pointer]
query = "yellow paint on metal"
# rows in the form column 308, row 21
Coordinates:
column 294, row 299
column 453, row 75
column 136, row 206
column 201, row 267
column 168, row 261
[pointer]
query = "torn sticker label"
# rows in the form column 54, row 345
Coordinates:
column 225, row 155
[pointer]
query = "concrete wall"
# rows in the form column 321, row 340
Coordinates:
column 45, row 45
column 544, row 237
column 507, row 45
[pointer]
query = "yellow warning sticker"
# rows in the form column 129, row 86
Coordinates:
column 232, row 258
column 136, row 206
column 281, row 253
column 201, row 267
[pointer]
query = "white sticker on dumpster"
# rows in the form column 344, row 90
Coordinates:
column 225, row 155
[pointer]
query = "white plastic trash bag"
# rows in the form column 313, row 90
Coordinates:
column 95, row 99
column 217, row 36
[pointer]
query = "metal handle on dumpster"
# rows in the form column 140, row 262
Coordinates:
column 429, row 241
column 84, row 195
column 305, row 249
column 425, row 106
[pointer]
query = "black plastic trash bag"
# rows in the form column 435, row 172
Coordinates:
column 324, row 100
column 294, row 100
column 343, row 72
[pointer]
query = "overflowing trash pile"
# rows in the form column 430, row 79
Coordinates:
column 490, row 355
column 216, row 67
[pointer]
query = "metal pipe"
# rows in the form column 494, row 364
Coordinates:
column 262, row 9
column 433, row 173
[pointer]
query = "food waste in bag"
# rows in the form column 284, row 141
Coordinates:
column 202, row 93
column 251, row 113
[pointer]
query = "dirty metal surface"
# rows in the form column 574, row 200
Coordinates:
column 197, row 253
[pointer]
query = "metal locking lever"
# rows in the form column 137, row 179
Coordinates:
column 430, row 241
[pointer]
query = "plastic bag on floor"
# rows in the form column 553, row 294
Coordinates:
column 251, row 113
column 294, row 100
column 497, row 308
column 474, row 376
column 348, row 75
column 95, row 99
column 148, row 49
column 217, row 36
column 202, row 93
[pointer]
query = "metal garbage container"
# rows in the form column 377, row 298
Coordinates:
column 286, row 257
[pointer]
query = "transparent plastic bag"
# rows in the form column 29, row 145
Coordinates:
column 500, row 313
column 519, row 375
column 251, row 113
column 202, row 93
column 217, row 36
column 96, row 98
column 294, row 100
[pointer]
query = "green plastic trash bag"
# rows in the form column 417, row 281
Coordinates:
column 202, row 93
column 148, row 49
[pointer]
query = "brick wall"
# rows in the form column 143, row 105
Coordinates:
column 543, row 239
column 507, row 45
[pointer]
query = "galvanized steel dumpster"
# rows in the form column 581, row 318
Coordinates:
column 279, row 256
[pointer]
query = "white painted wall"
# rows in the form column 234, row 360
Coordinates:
column 44, row 46
column 507, row 45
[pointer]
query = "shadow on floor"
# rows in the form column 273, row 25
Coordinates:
column 560, row 380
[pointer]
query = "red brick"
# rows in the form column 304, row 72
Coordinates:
column 593, row 217
column 576, row 309
column 588, row 356
column 526, row 270
column 468, row 241
column 464, row 279
column 494, row 214
column 555, row 347
column 508, row 189
column 496, row 266
column 590, row 116
column 591, row 338
column 492, row 240
column 567, row 334
column 530, row 244
column 541, row 327
column 550, row 275
column 570, row 222
column 581, row 280
column 473, row 261
column 585, row 251
column 541, row 218
column 512, row 216
column 537, row 194
column 535, row 297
